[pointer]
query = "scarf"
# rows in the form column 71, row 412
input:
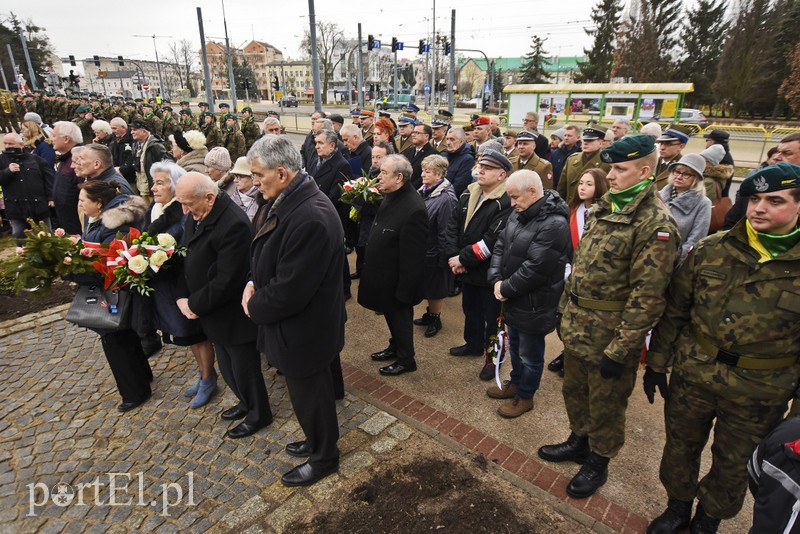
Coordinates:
column 771, row 246
column 298, row 180
column 620, row 199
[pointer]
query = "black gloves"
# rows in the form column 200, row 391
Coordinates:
column 610, row 369
column 653, row 380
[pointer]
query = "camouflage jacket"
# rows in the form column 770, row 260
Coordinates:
column 738, row 304
column 188, row 123
column 213, row 135
column 233, row 140
column 626, row 257
column 168, row 126
column 251, row 131
column 155, row 123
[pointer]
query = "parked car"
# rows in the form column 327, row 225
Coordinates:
column 289, row 102
column 685, row 116
column 388, row 102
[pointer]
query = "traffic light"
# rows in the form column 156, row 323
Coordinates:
column 394, row 44
column 120, row 61
column 276, row 84
column 447, row 49
column 96, row 61
column 370, row 42
column 422, row 46
column 72, row 61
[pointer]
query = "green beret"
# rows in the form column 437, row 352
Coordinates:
column 186, row 112
column 247, row 109
column 166, row 108
column 629, row 149
column 203, row 104
column 207, row 114
column 82, row 109
column 776, row 177
column 230, row 116
column 184, row 102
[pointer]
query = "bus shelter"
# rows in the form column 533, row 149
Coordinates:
column 582, row 102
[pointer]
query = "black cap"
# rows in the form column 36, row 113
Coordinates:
column 493, row 158
column 139, row 124
column 335, row 117
column 181, row 141
column 718, row 136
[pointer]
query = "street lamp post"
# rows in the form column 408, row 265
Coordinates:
column 158, row 63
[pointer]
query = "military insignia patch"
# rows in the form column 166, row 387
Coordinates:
column 760, row 184
column 663, row 236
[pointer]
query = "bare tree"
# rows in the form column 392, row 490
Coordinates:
column 182, row 56
column 331, row 49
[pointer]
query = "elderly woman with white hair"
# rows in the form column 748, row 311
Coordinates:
column 189, row 150
column 165, row 216
column 686, row 199
column 102, row 132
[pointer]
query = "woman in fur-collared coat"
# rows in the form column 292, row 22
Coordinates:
column 110, row 212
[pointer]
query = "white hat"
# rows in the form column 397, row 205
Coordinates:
column 714, row 154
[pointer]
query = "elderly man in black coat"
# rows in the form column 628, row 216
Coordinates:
column 27, row 183
column 419, row 150
column 295, row 298
column 217, row 236
column 392, row 279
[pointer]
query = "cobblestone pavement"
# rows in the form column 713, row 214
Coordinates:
column 60, row 426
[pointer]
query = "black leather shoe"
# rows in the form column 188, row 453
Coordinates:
column 355, row 276
column 301, row 449
column 128, row 406
column 592, row 475
column 575, row 449
column 675, row 518
column 385, row 354
column 305, row 475
column 557, row 364
column 466, row 350
column 397, row 369
column 434, row 326
column 232, row 414
column 487, row 372
column 244, row 429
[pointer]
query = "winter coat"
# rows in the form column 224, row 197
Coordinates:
column 692, row 213
column 150, row 152
column 296, row 263
column 111, row 176
column 716, row 176
column 123, row 154
column 459, row 170
column 529, row 258
column 393, row 272
column 440, row 203
column 122, row 213
column 194, row 161
column 28, row 191
column 45, row 151
column 574, row 168
column 361, row 159
column 65, row 195
column 330, row 174
column 474, row 228
column 215, row 272
column 558, row 158
column 415, row 158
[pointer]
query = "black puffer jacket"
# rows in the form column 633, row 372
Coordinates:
column 27, row 191
column 529, row 257
column 473, row 242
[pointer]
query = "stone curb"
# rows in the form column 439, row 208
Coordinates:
column 33, row 320
column 519, row 468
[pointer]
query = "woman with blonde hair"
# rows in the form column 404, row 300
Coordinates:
column 35, row 141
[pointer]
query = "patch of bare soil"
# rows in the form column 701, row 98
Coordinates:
column 427, row 489
column 13, row 306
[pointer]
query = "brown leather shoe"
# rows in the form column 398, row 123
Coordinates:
column 509, row 391
column 515, row 407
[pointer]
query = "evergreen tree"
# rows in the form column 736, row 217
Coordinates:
column 38, row 48
column 533, row 71
column 790, row 88
column 667, row 21
column 785, row 19
column 600, row 58
column 241, row 72
column 703, row 39
column 636, row 56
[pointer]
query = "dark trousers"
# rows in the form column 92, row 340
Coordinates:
column 480, row 315
column 338, row 378
column 128, row 364
column 361, row 253
column 346, row 276
column 401, row 327
column 315, row 408
column 240, row 366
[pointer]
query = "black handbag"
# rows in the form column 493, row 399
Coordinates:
column 99, row 309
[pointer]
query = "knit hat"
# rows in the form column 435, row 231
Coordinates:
column 218, row 158
column 559, row 133
column 714, row 154
column 31, row 116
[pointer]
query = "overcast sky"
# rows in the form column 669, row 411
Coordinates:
column 499, row 28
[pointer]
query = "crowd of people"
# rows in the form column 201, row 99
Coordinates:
column 605, row 235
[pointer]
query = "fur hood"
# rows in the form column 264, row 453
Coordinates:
column 124, row 210
column 720, row 172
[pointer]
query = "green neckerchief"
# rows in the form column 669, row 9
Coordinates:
column 621, row 198
column 774, row 245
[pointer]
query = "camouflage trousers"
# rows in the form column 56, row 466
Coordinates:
column 745, row 412
column 595, row 405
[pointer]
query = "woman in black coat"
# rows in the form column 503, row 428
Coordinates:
column 392, row 280
column 109, row 212
column 165, row 216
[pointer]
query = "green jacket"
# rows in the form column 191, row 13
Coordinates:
column 251, row 131
column 233, row 140
column 739, row 305
column 213, row 135
column 574, row 169
column 625, row 257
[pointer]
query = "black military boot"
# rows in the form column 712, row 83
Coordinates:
column 675, row 518
column 592, row 475
column 425, row 320
column 434, row 326
column 575, row 449
column 557, row 364
column 702, row 523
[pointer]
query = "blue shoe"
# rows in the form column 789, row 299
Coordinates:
column 205, row 391
column 192, row 390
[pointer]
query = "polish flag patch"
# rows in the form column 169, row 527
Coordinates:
column 662, row 236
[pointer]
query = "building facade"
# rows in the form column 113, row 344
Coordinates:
column 130, row 78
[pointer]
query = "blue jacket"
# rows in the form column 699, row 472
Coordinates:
column 459, row 170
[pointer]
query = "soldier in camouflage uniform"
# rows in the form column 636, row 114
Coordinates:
column 187, row 121
column 614, row 296
column 232, row 138
column 151, row 118
column 203, row 106
column 168, row 125
column 210, row 130
column 224, row 109
column 732, row 326
column 250, row 128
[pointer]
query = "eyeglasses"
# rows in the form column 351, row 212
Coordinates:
column 238, row 177
column 685, row 174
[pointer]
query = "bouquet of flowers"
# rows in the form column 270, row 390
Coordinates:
column 46, row 255
column 358, row 192
column 132, row 259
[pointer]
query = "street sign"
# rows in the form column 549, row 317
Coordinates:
column 102, row 73
column 376, row 44
column 487, row 88
column 146, row 86
column 427, row 88
column 399, row 46
column 426, row 48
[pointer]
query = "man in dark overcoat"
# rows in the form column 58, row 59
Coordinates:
column 217, row 237
column 295, row 298
column 392, row 279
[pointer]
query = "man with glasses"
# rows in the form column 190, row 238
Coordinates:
column 670, row 145
column 578, row 164
column 419, row 150
column 531, row 122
